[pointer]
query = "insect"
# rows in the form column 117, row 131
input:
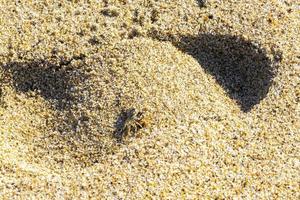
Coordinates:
column 129, row 123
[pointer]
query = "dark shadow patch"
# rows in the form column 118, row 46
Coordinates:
column 1, row 97
column 110, row 12
column 53, row 82
column 239, row 66
column 134, row 33
column 94, row 41
column 202, row 3
column 68, row 129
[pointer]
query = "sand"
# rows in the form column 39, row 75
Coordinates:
column 149, row 99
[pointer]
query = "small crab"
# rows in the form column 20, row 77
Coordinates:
column 129, row 123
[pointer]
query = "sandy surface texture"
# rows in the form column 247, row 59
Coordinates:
column 150, row 99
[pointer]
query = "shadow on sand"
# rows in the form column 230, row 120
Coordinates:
column 53, row 82
column 240, row 67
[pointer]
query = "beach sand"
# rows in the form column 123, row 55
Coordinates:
column 149, row 99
